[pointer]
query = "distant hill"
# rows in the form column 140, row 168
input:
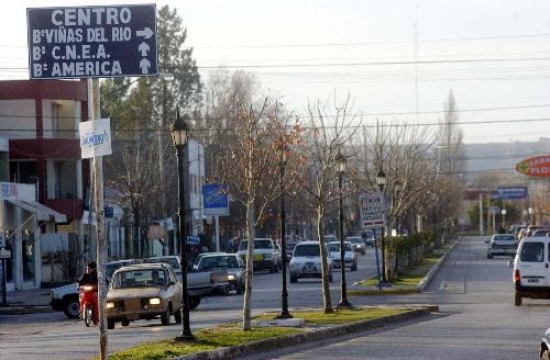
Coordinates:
column 500, row 157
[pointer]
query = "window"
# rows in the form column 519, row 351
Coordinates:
column 532, row 252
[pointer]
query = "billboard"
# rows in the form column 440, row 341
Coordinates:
column 536, row 166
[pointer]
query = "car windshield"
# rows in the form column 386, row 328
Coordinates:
column 258, row 244
column 333, row 247
column 504, row 238
column 355, row 240
column 168, row 260
column 140, row 278
column 307, row 250
column 218, row 262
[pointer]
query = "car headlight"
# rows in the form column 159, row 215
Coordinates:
column 155, row 301
column 110, row 305
column 230, row 277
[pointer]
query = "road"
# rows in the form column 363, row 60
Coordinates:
column 53, row 336
column 477, row 319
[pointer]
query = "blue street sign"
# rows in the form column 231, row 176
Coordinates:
column 510, row 193
column 215, row 199
column 92, row 41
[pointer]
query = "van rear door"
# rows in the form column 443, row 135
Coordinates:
column 533, row 262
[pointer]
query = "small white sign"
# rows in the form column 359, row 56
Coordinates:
column 95, row 138
column 373, row 209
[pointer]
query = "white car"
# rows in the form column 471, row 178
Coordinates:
column 350, row 256
column 266, row 254
column 306, row 262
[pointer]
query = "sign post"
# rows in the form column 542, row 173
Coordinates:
column 93, row 42
column 373, row 215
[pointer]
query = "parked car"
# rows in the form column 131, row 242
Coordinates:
column 357, row 244
column 368, row 238
column 544, row 348
column 541, row 232
column 144, row 291
column 229, row 262
column 502, row 245
column 329, row 238
column 65, row 298
column 266, row 254
column 350, row 257
column 306, row 262
column 531, row 276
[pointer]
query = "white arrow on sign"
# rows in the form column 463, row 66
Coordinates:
column 146, row 33
column 144, row 64
column 144, row 48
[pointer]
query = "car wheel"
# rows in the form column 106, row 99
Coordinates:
column 330, row 277
column 72, row 308
column 177, row 316
column 165, row 318
column 293, row 279
column 517, row 299
column 354, row 267
column 489, row 256
column 110, row 324
column 545, row 355
column 240, row 288
column 194, row 302
column 124, row 322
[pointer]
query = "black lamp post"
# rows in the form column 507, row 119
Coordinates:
column 284, row 293
column 381, row 181
column 180, row 131
column 341, row 168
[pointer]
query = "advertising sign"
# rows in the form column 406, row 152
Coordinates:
column 215, row 199
column 536, row 166
column 373, row 209
column 92, row 41
column 95, row 138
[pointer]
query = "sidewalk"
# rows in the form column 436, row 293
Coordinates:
column 26, row 302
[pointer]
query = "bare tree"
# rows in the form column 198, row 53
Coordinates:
column 326, row 138
column 249, row 166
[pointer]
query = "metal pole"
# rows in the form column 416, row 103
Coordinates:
column 343, row 288
column 284, row 293
column 186, row 330
column 4, row 284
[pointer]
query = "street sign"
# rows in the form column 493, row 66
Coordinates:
column 215, row 199
column 5, row 253
column 511, row 193
column 92, row 41
column 373, row 209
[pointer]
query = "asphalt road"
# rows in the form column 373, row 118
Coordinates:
column 477, row 319
column 53, row 336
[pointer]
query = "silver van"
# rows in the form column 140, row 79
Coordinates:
column 531, row 274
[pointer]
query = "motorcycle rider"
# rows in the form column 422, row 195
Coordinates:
column 89, row 278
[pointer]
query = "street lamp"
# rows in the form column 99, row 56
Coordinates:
column 503, row 212
column 284, row 293
column 180, row 132
column 341, row 168
column 381, row 182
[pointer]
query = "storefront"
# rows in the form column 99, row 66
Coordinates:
column 23, row 221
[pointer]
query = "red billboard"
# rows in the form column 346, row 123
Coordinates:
column 536, row 166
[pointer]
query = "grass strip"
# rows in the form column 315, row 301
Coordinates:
column 228, row 335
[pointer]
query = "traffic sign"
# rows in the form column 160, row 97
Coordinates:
column 373, row 209
column 215, row 199
column 92, row 41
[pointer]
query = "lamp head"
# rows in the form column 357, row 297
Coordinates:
column 180, row 130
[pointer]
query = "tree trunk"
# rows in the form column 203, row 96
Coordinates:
column 251, row 234
column 324, row 263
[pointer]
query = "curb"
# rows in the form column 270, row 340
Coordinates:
column 25, row 309
column 312, row 335
column 406, row 291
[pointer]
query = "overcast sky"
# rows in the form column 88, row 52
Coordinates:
column 398, row 60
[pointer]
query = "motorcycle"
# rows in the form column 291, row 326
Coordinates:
column 89, row 307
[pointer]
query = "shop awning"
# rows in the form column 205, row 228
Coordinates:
column 43, row 213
